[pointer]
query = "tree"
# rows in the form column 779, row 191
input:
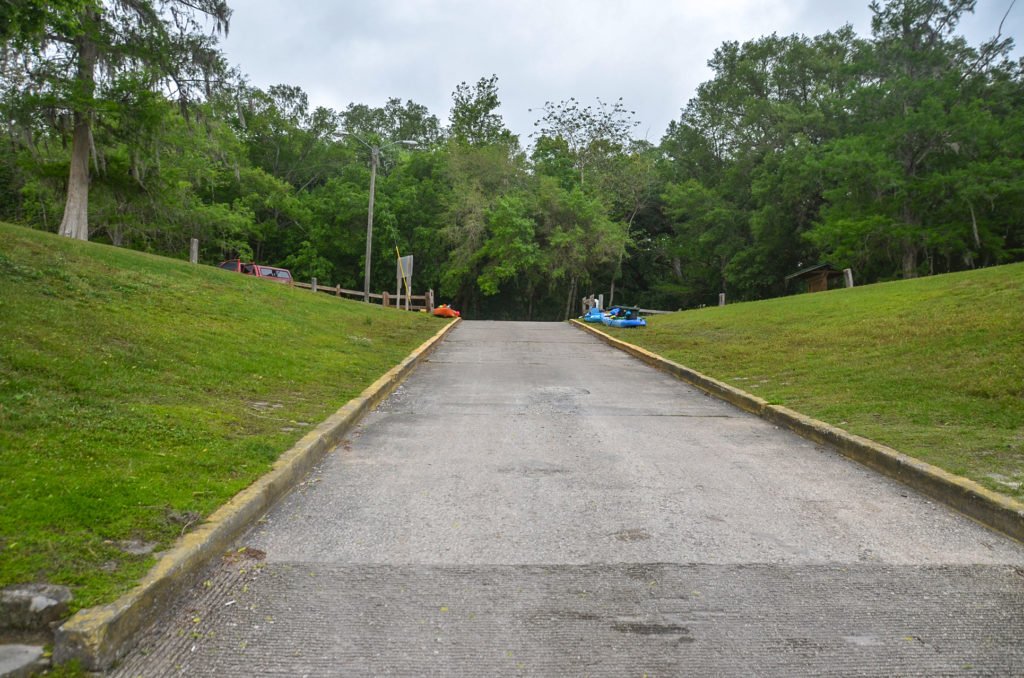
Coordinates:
column 509, row 248
column 590, row 134
column 740, row 195
column 577, row 237
column 478, row 178
column 24, row 22
column 473, row 119
column 394, row 120
column 87, row 44
column 284, row 137
column 931, row 134
column 630, row 184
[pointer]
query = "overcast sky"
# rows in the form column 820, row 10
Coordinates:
column 652, row 53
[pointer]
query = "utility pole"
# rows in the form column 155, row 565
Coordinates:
column 374, row 162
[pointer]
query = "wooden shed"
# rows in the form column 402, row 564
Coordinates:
column 817, row 276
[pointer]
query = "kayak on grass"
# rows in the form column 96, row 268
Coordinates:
column 623, row 317
column 624, row 322
column 446, row 311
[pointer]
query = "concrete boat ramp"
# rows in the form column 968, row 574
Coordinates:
column 532, row 502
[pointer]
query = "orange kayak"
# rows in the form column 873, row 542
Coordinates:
column 445, row 311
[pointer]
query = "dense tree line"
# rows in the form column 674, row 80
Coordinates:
column 897, row 155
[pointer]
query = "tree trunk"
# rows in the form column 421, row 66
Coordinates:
column 571, row 299
column 909, row 259
column 908, row 244
column 677, row 268
column 974, row 228
column 76, row 210
column 615, row 274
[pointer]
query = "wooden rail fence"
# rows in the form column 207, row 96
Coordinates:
column 409, row 302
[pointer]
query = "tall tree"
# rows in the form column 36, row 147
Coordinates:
column 591, row 134
column 577, row 237
column 394, row 120
column 474, row 119
column 284, row 137
column 84, row 45
column 25, row 22
column 931, row 133
column 740, row 195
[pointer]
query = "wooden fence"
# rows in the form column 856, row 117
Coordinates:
column 598, row 302
column 408, row 302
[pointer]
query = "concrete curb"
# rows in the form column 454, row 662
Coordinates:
column 994, row 510
column 98, row 636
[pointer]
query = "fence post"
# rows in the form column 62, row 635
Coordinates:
column 386, row 301
column 721, row 298
column 193, row 251
column 848, row 277
column 313, row 285
column 600, row 302
column 430, row 301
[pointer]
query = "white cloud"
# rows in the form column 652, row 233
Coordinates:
column 653, row 53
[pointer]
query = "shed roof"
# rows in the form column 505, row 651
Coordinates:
column 824, row 267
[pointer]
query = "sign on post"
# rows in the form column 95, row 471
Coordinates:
column 404, row 273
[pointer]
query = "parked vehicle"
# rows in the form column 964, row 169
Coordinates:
column 260, row 271
column 274, row 273
column 236, row 265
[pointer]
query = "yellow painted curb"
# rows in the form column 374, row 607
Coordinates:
column 994, row 510
column 98, row 636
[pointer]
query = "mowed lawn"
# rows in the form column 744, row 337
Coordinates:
column 139, row 393
column 933, row 367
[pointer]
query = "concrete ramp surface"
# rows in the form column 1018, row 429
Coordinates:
column 532, row 502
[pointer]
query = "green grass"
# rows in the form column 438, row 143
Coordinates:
column 933, row 367
column 139, row 393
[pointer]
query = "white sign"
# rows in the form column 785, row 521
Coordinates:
column 404, row 271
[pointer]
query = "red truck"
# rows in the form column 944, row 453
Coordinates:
column 282, row 275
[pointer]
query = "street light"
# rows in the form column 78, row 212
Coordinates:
column 374, row 161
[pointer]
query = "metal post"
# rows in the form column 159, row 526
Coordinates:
column 374, row 160
column 721, row 298
column 193, row 251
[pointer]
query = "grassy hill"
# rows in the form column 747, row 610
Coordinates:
column 139, row 393
column 933, row 367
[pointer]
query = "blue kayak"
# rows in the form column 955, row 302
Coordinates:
column 623, row 317
column 624, row 322
column 594, row 315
